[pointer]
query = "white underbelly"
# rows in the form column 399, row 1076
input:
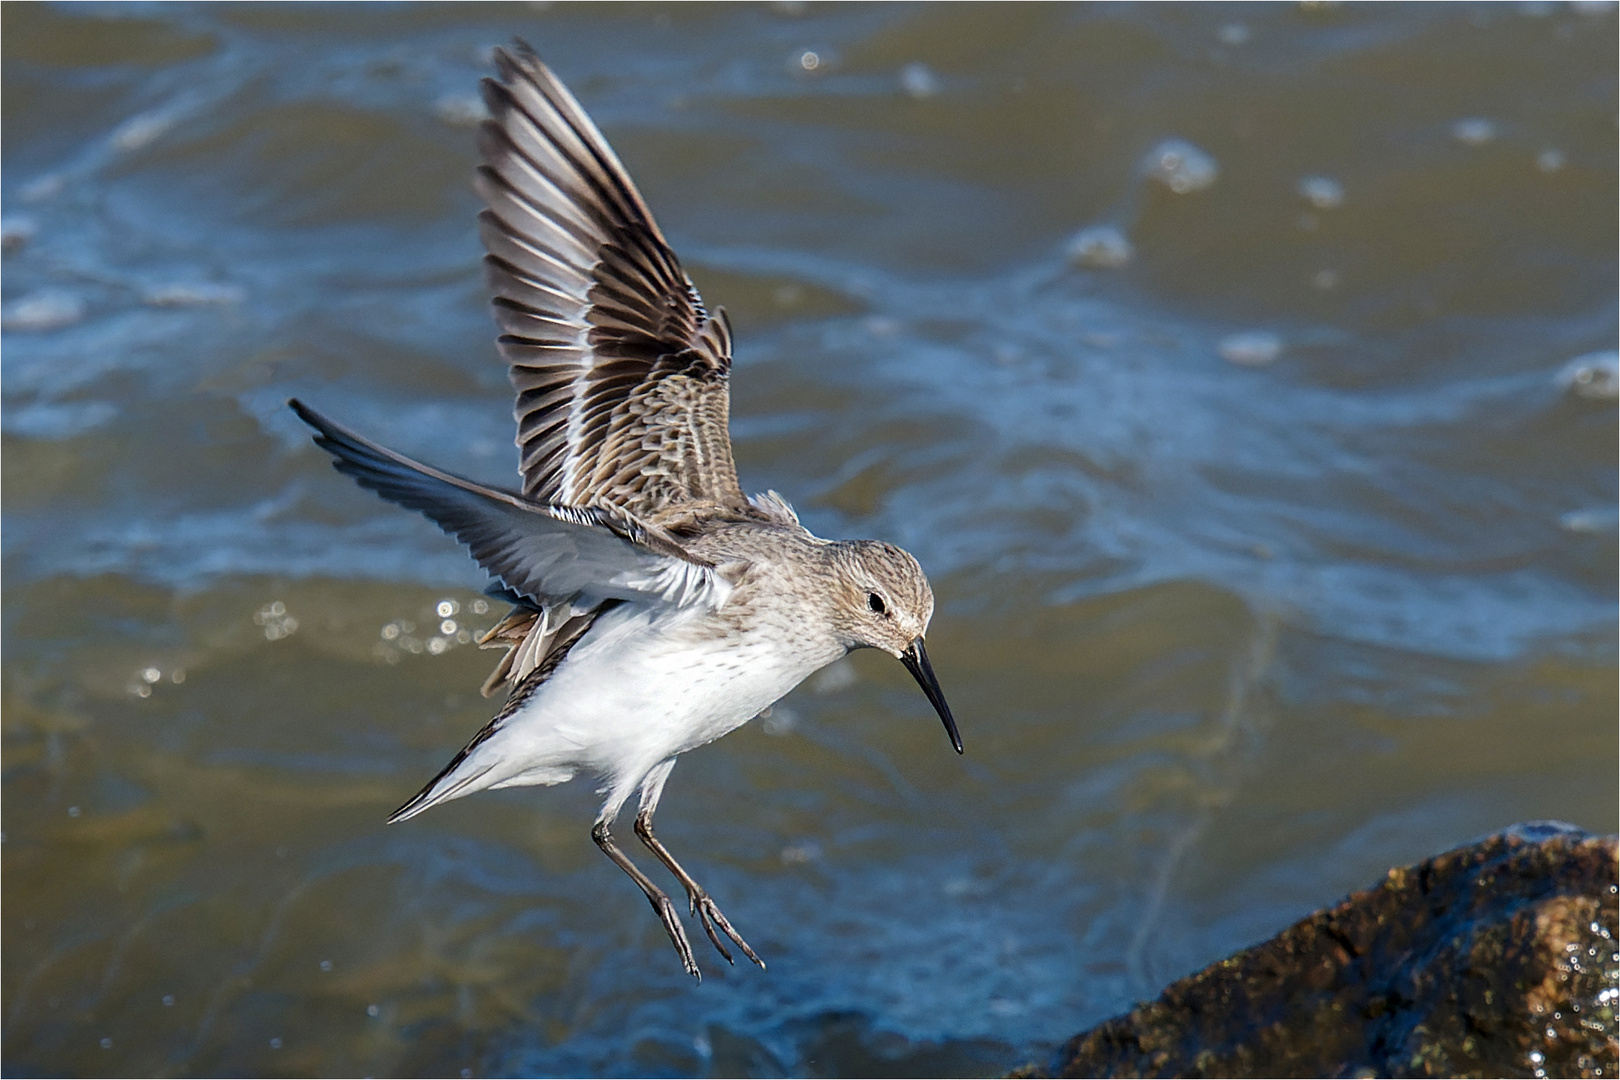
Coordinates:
column 635, row 693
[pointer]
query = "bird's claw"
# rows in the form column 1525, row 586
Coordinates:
column 677, row 936
column 710, row 915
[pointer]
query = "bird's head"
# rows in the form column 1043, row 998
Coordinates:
column 885, row 603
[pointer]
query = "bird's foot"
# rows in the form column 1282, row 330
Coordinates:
column 670, row 917
column 709, row 913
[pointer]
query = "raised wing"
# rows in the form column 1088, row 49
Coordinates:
column 620, row 372
column 544, row 555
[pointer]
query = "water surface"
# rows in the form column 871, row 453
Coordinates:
column 1272, row 520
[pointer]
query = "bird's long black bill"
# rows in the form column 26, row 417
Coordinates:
column 916, row 661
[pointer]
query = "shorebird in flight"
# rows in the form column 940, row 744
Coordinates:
column 655, row 607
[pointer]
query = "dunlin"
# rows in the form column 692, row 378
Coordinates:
column 655, row 607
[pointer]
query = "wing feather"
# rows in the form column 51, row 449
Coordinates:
column 544, row 555
column 622, row 375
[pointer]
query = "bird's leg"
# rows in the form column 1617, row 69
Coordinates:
column 703, row 907
column 659, row 899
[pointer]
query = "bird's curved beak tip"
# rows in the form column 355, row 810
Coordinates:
column 916, row 660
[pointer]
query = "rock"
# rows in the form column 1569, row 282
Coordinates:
column 1496, row 959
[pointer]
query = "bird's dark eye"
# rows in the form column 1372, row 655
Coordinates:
column 875, row 602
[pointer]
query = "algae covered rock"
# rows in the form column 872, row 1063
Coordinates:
column 1495, row 959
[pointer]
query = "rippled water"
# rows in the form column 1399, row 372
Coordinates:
column 1243, row 377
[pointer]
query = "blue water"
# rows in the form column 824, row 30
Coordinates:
column 1276, row 555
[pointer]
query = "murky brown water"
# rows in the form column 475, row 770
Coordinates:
column 1274, row 538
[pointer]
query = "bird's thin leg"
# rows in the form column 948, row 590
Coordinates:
column 659, row 899
column 702, row 906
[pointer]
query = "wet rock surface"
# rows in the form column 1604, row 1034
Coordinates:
column 1495, row 959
